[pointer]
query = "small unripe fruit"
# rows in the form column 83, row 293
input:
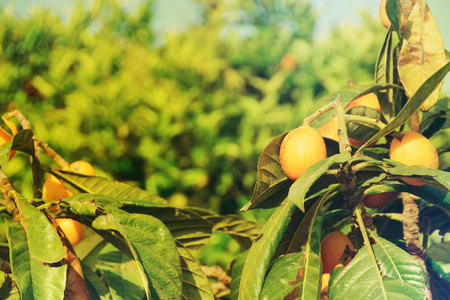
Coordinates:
column 301, row 148
column 413, row 149
column 332, row 249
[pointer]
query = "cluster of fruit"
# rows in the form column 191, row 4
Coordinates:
column 304, row 146
column 54, row 189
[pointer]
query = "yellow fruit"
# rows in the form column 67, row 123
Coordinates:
column 5, row 137
column 379, row 200
column 301, row 148
column 74, row 230
column 329, row 129
column 368, row 100
column 54, row 189
column 413, row 149
column 82, row 167
column 332, row 249
column 384, row 17
column 324, row 288
column 288, row 62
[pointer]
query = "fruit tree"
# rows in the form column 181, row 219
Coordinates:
column 357, row 198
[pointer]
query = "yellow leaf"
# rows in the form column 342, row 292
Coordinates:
column 422, row 52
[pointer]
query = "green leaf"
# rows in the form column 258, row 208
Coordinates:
column 271, row 183
column 151, row 246
column 440, row 252
column 358, row 131
column 195, row 283
column 284, row 278
column 261, row 252
column 437, row 178
column 422, row 53
column 302, row 279
column 393, row 10
column 439, row 280
column 44, row 243
column 411, row 106
column 346, row 96
column 236, row 274
column 35, row 278
column 98, row 290
column 22, row 141
column 403, row 277
column 302, row 185
column 242, row 230
column 121, row 274
column 98, row 185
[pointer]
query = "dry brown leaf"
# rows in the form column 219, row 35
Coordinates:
column 422, row 52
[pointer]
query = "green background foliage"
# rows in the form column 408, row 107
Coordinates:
column 186, row 119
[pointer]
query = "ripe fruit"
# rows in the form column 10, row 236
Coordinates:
column 384, row 17
column 288, row 62
column 332, row 249
column 54, row 189
column 324, row 288
column 329, row 130
column 5, row 137
column 379, row 200
column 414, row 149
column 74, row 230
column 301, row 148
column 368, row 100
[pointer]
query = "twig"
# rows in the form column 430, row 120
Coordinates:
column 411, row 231
column 344, row 144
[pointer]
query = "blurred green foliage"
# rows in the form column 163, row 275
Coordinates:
column 186, row 119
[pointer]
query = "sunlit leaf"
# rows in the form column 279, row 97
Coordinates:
column 261, row 252
column 35, row 278
column 302, row 185
column 236, row 273
column 422, row 53
column 271, row 183
column 100, row 185
column 284, row 278
column 403, row 276
column 195, row 283
column 151, row 246
column 411, row 106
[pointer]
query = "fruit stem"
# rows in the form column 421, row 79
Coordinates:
column 20, row 117
column 369, row 122
column 344, row 143
column 52, row 153
column 308, row 120
column 397, row 135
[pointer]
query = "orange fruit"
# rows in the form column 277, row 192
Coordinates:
column 413, row 149
column 379, row 200
column 324, row 288
column 288, row 62
column 54, row 189
column 384, row 17
column 332, row 249
column 5, row 137
column 329, row 129
column 74, row 230
column 301, row 148
column 368, row 100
